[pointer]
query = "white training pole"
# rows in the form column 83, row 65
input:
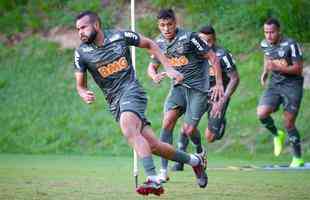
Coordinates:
column 133, row 58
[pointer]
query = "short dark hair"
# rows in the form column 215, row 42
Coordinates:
column 207, row 30
column 273, row 21
column 93, row 17
column 166, row 14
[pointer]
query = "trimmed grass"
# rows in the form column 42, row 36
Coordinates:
column 54, row 177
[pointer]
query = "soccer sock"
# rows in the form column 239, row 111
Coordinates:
column 269, row 124
column 183, row 142
column 165, row 136
column 294, row 139
column 196, row 139
column 183, row 157
column 149, row 167
column 222, row 130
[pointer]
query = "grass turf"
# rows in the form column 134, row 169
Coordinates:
column 54, row 177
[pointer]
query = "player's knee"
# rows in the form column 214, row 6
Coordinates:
column 289, row 124
column 168, row 123
column 261, row 113
column 210, row 136
column 154, row 145
column 188, row 129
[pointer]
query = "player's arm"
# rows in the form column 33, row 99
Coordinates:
column 232, row 85
column 154, row 50
column 81, row 80
column 264, row 75
column 153, row 73
column 81, row 87
column 217, row 90
column 282, row 66
column 203, row 48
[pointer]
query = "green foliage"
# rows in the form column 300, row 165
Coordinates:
column 42, row 15
column 148, row 26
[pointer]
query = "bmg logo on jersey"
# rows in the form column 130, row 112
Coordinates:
column 112, row 68
column 178, row 61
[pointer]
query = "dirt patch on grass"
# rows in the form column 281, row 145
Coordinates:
column 66, row 37
column 306, row 73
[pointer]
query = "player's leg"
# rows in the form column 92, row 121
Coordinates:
column 173, row 109
column 194, row 134
column 216, row 126
column 131, row 108
column 269, row 102
column 195, row 108
column 182, row 145
column 166, row 135
column 170, row 153
column 292, row 99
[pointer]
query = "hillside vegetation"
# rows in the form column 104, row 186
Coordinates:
column 42, row 113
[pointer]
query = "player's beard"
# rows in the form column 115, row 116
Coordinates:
column 92, row 37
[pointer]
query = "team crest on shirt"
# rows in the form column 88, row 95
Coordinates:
column 180, row 48
column 281, row 52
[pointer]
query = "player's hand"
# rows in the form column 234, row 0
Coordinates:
column 87, row 96
column 175, row 75
column 158, row 77
column 263, row 78
column 217, row 92
column 276, row 64
column 217, row 108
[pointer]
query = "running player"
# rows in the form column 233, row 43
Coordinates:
column 187, row 53
column 283, row 60
column 105, row 55
column 216, row 125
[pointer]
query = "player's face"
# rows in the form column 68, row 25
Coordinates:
column 167, row 28
column 86, row 30
column 209, row 38
column 272, row 33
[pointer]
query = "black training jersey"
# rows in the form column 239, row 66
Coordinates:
column 227, row 64
column 110, row 65
column 287, row 49
column 186, row 52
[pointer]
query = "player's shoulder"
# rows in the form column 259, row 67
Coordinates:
column 183, row 34
column 286, row 41
column 159, row 39
column 84, row 48
column 221, row 51
column 115, row 34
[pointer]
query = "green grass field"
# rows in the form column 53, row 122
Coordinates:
column 55, row 177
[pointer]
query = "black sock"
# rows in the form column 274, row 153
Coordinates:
column 183, row 142
column 196, row 139
column 294, row 139
column 269, row 124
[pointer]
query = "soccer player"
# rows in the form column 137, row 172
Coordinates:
column 230, row 75
column 283, row 60
column 187, row 53
column 105, row 55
